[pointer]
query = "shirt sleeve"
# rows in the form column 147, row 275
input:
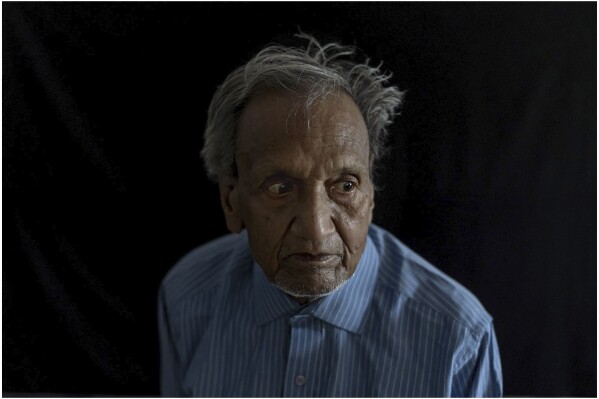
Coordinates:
column 170, row 369
column 479, row 374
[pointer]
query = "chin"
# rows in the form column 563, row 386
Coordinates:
column 308, row 292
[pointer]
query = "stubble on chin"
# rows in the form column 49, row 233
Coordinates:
column 312, row 282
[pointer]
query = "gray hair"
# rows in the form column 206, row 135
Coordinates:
column 317, row 71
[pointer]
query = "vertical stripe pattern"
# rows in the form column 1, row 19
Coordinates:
column 397, row 328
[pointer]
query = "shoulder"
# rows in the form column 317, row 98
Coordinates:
column 204, row 269
column 412, row 277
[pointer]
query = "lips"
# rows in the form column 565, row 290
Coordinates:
column 312, row 260
column 321, row 257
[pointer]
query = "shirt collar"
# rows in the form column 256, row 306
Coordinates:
column 344, row 308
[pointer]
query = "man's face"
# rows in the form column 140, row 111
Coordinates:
column 303, row 190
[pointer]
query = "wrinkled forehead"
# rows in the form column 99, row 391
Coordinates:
column 283, row 114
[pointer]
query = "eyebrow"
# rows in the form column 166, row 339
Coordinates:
column 353, row 169
column 262, row 172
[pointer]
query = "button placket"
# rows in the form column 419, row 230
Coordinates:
column 297, row 383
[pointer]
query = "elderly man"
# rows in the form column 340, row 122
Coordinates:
column 307, row 297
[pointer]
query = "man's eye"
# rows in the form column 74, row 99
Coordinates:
column 280, row 188
column 345, row 186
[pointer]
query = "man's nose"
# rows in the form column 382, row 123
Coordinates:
column 314, row 215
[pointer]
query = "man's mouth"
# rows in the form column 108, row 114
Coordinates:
column 316, row 260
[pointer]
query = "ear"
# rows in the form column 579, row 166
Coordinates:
column 229, row 200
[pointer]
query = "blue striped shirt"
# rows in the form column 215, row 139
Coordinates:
column 398, row 327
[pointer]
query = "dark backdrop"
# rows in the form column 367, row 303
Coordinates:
column 492, row 177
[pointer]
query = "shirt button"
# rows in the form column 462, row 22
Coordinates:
column 300, row 380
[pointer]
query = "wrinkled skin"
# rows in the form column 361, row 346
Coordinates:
column 303, row 190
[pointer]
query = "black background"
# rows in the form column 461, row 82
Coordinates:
column 492, row 177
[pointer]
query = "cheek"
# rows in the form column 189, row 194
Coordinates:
column 266, row 229
column 353, row 225
column 260, row 217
